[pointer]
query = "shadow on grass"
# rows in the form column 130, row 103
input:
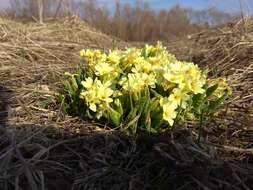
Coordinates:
column 43, row 159
column 36, row 157
column 5, row 98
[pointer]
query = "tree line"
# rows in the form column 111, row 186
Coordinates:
column 131, row 23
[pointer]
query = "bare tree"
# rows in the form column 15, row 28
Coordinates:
column 131, row 23
column 58, row 8
column 40, row 10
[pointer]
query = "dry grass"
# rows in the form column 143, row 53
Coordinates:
column 41, row 148
column 34, row 58
column 227, row 52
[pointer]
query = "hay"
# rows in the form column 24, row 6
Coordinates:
column 34, row 58
column 41, row 148
column 227, row 51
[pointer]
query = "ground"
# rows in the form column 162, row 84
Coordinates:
column 43, row 148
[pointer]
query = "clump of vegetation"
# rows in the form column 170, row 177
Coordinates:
column 144, row 89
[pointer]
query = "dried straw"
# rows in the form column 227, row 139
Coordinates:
column 41, row 148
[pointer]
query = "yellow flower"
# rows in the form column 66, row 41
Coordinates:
column 96, row 94
column 194, row 79
column 187, row 76
column 103, row 68
column 134, row 70
column 114, row 57
column 173, row 73
column 158, row 56
column 136, row 82
column 167, row 85
column 161, row 60
column 169, row 110
column 130, row 56
column 179, row 97
column 88, row 83
column 222, row 87
column 93, row 56
column 174, row 78
column 154, row 50
column 177, row 67
column 104, row 92
column 196, row 86
column 141, row 65
column 82, row 53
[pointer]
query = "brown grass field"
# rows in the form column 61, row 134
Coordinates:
column 42, row 148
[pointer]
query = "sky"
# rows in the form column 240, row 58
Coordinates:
column 225, row 5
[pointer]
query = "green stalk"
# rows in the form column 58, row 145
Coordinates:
column 200, row 126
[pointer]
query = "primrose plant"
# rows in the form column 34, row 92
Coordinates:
column 144, row 89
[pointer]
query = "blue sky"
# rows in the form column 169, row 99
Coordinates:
column 158, row 4
column 226, row 5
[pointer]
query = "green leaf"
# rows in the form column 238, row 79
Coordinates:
column 114, row 117
column 211, row 90
column 74, row 83
column 64, row 105
column 144, row 104
column 157, row 120
column 156, row 94
column 213, row 105
column 154, row 106
column 132, row 114
column 197, row 99
column 131, row 102
column 69, row 89
column 147, row 122
column 152, row 130
column 118, row 106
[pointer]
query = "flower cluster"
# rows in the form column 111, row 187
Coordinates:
column 147, row 87
column 96, row 94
